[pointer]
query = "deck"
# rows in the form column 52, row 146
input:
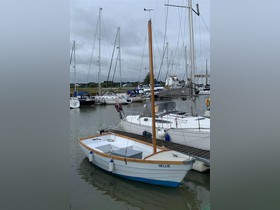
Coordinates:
column 199, row 154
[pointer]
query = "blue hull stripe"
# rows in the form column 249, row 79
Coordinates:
column 152, row 181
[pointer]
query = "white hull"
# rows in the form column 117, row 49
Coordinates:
column 138, row 99
column 74, row 103
column 172, row 125
column 207, row 113
column 204, row 92
column 189, row 137
column 112, row 100
column 166, row 167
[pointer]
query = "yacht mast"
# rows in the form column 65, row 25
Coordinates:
column 74, row 67
column 99, row 53
column 191, row 39
column 206, row 73
column 152, row 85
column 119, row 43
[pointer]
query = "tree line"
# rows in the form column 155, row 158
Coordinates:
column 146, row 81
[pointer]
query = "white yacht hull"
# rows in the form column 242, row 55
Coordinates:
column 112, row 100
column 197, row 138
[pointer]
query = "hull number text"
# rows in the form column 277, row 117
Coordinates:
column 164, row 165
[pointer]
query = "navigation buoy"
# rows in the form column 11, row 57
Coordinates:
column 111, row 165
column 90, row 156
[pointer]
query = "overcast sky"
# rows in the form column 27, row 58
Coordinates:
column 169, row 24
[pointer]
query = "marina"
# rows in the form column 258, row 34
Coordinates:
column 158, row 146
column 133, row 159
column 91, row 187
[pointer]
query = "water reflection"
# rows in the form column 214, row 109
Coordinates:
column 92, row 188
column 192, row 194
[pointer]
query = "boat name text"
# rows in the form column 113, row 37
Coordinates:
column 164, row 165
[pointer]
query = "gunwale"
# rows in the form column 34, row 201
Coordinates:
column 131, row 159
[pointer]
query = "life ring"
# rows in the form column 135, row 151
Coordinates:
column 207, row 102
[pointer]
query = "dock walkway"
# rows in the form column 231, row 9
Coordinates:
column 199, row 154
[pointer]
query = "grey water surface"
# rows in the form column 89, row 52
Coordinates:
column 93, row 188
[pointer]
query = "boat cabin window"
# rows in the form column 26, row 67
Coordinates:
column 161, row 121
column 167, row 107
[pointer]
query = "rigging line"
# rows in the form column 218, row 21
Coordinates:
column 179, row 33
column 168, row 65
column 184, row 33
column 165, row 28
column 112, row 56
column 74, row 66
column 142, row 57
column 106, row 39
column 154, row 20
column 119, row 42
column 115, row 66
column 164, row 50
column 90, row 62
column 71, row 54
column 164, row 40
column 181, row 52
column 179, row 63
column 158, row 52
column 205, row 24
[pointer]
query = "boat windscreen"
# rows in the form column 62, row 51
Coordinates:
column 161, row 107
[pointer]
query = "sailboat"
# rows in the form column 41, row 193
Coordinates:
column 109, row 97
column 74, row 101
column 80, row 98
column 136, row 160
column 172, row 124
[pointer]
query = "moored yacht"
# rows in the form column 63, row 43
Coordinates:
column 171, row 125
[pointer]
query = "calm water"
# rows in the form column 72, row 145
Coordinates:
column 93, row 188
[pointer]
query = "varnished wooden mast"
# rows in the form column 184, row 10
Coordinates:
column 152, row 86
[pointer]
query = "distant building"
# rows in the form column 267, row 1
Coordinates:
column 173, row 82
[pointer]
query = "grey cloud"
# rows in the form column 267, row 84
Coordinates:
column 130, row 17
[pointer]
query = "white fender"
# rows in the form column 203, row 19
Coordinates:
column 161, row 133
column 90, row 156
column 111, row 165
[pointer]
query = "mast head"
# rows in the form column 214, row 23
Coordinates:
column 148, row 9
